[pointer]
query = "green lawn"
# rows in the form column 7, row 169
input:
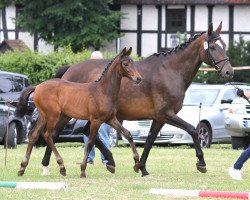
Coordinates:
column 169, row 168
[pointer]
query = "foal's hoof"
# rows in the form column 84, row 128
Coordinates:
column 20, row 173
column 137, row 167
column 83, row 175
column 63, row 172
column 110, row 168
column 201, row 168
column 144, row 173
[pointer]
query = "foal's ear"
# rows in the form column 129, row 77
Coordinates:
column 123, row 52
column 210, row 29
column 129, row 51
column 218, row 30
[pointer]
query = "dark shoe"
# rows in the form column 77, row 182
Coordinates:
column 91, row 162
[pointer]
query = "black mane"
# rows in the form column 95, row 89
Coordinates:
column 180, row 46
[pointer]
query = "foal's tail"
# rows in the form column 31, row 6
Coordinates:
column 22, row 105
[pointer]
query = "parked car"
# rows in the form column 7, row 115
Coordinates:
column 11, row 86
column 237, row 122
column 204, row 107
column 13, row 130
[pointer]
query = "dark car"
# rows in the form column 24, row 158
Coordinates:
column 13, row 130
column 11, row 86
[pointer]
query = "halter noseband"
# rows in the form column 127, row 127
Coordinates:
column 210, row 57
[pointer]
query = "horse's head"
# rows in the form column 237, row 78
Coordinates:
column 127, row 66
column 213, row 52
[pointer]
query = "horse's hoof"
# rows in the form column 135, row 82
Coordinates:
column 83, row 175
column 201, row 168
column 144, row 174
column 20, row 173
column 110, row 168
column 137, row 167
column 63, row 172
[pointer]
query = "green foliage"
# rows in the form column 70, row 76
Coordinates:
column 39, row 67
column 78, row 23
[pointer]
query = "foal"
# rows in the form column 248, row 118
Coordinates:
column 96, row 101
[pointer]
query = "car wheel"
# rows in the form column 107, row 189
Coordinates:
column 12, row 136
column 113, row 138
column 205, row 135
column 239, row 142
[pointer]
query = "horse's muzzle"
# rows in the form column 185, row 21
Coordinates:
column 137, row 79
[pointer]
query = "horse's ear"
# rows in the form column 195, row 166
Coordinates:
column 218, row 30
column 129, row 51
column 123, row 52
column 210, row 29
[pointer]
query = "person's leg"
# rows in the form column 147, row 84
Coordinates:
column 235, row 170
column 104, row 135
column 245, row 155
column 92, row 152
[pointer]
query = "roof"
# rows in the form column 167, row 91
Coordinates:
column 181, row 2
column 11, row 45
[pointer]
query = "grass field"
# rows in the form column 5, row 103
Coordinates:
column 169, row 168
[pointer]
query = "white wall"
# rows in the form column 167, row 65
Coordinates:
column 130, row 21
column 201, row 15
column 149, row 44
column 149, row 17
column 242, row 18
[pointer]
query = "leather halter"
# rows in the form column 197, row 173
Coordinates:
column 211, row 60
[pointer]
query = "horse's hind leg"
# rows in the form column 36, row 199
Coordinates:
column 63, row 120
column 116, row 124
column 32, row 138
column 180, row 123
column 48, row 138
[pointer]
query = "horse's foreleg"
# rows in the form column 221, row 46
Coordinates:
column 104, row 150
column 94, row 127
column 116, row 125
column 32, row 138
column 154, row 130
column 180, row 123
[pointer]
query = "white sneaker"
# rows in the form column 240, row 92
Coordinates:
column 235, row 174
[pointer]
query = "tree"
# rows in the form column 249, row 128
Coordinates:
column 78, row 23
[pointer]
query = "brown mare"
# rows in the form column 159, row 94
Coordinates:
column 96, row 101
column 166, row 77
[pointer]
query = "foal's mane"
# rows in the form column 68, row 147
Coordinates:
column 180, row 46
column 105, row 69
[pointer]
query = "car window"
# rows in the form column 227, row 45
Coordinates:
column 197, row 96
column 18, row 84
column 229, row 96
column 5, row 83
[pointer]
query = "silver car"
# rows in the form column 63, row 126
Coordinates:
column 237, row 122
column 203, row 103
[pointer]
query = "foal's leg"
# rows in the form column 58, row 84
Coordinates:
column 180, row 123
column 63, row 120
column 32, row 138
column 48, row 138
column 117, row 125
column 94, row 127
column 110, row 165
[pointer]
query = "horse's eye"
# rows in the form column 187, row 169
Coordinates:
column 212, row 47
column 125, row 64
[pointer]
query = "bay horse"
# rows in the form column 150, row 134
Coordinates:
column 95, row 101
column 166, row 77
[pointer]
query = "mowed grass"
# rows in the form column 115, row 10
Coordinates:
column 169, row 168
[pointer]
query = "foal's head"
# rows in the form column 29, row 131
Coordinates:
column 127, row 66
column 213, row 52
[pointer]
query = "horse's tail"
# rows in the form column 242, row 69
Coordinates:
column 61, row 71
column 22, row 106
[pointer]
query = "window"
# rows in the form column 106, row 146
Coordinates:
column 176, row 20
